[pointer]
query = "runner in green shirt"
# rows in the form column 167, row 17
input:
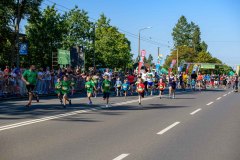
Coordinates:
column 58, row 89
column 90, row 86
column 106, row 86
column 30, row 78
column 66, row 84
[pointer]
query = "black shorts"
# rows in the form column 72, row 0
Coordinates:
column 141, row 94
column 106, row 95
column 30, row 88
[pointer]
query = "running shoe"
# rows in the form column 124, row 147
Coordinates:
column 37, row 98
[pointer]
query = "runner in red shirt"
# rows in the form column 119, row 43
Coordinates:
column 161, row 87
column 140, row 90
column 131, row 78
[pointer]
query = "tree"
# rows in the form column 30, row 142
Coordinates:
column 150, row 59
column 45, row 35
column 195, row 37
column 112, row 48
column 181, row 32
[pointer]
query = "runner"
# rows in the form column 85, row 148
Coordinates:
column 161, row 87
column 66, row 84
column 150, row 83
column 89, row 85
column 125, row 87
column 118, row 86
column 95, row 79
column 30, row 78
column 58, row 90
column 106, row 86
column 131, row 79
column 235, row 77
column 140, row 90
column 144, row 79
column 185, row 80
column 199, row 80
column 172, row 86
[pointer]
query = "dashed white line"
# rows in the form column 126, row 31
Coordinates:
column 224, row 95
column 168, row 128
column 194, row 112
column 229, row 92
column 209, row 103
column 122, row 156
column 219, row 98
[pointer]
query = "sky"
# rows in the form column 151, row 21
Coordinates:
column 219, row 22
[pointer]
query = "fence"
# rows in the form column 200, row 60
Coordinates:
column 15, row 87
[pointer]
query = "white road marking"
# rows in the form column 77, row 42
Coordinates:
column 209, row 103
column 168, row 128
column 229, row 92
column 219, row 98
column 194, row 112
column 24, row 123
column 224, row 95
column 122, row 156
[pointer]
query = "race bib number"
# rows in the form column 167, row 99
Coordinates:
column 107, row 85
column 64, row 88
column 140, row 89
column 88, row 86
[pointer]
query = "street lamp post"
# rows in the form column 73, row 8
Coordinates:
column 139, row 38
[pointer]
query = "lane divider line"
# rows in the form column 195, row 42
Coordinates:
column 209, row 103
column 168, row 128
column 194, row 112
column 24, row 123
column 122, row 156
column 229, row 92
column 224, row 95
column 219, row 98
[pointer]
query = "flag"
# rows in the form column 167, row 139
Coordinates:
column 188, row 66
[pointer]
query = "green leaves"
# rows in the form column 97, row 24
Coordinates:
column 188, row 45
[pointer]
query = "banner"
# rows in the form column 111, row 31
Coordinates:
column 23, row 48
column 174, row 61
column 63, row 57
column 207, row 66
column 188, row 66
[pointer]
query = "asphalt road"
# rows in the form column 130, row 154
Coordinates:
column 194, row 126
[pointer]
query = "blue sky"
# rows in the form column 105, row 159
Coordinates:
column 219, row 21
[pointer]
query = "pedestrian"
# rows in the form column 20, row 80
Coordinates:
column 58, row 89
column 118, row 86
column 140, row 90
column 161, row 87
column 125, row 87
column 66, row 84
column 30, row 78
column 172, row 85
column 106, row 86
column 90, row 86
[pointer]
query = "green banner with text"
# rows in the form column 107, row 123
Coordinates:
column 63, row 57
column 208, row 66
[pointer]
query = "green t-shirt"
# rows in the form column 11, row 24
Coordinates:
column 58, row 87
column 89, row 86
column 30, row 76
column 106, row 85
column 66, row 86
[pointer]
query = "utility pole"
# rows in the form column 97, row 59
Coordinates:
column 94, row 37
column 17, row 33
